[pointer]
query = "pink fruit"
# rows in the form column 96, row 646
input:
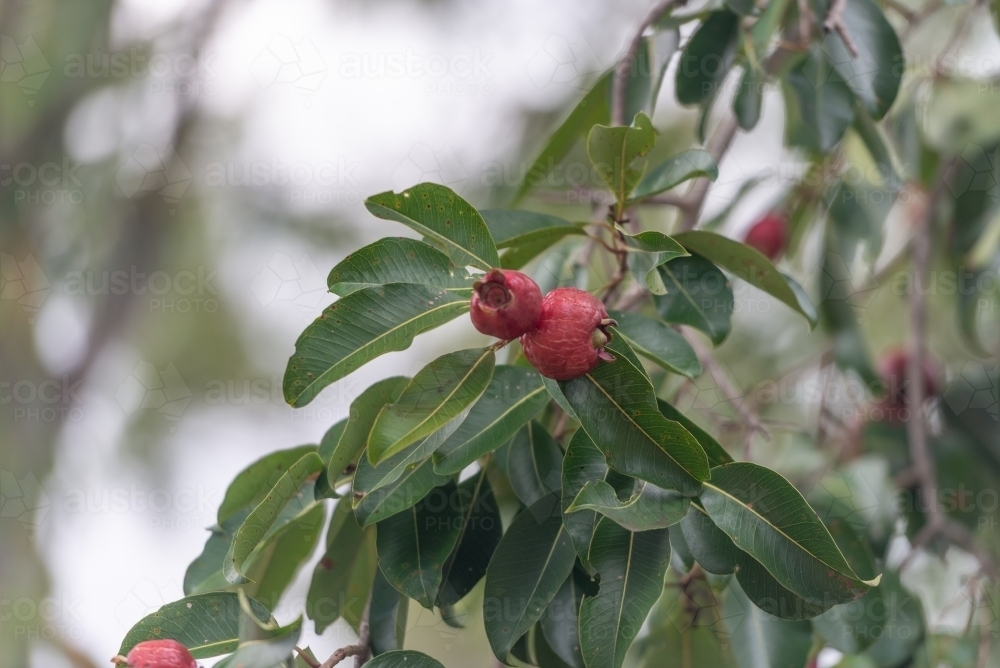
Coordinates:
column 571, row 334
column 892, row 367
column 158, row 654
column 505, row 304
column 769, row 235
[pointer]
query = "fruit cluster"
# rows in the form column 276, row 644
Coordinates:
column 563, row 334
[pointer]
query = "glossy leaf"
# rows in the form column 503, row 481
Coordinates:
column 746, row 263
column 767, row 517
column 819, row 107
column 706, row 59
column 437, row 212
column 533, row 559
column 560, row 621
column 515, row 394
column 717, row 455
column 583, row 463
column 478, row 538
column 632, row 566
column 263, row 516
column 398, row 260
column 388, row 615
column 749, row 97
column 439, row 392
column 413, row 545
column 659, row 342
column 361, row 326
column 617, row 154
column 534, row 463
column 348, row 549
column 761, row 640
column 207, row 624
column 697, row 294
column 806, row 306
column 404, row 659
column 649, row 507
column 675, row 170
column 364, row 409
column 325, row 487
column 616, row 405
column 525, row 234
column 280, row 557
column 649, row 250
column 253, row 483
column 394, row 485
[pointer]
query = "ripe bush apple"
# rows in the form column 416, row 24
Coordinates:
column 769, row 235
column 158, row 654
column 571, row 334
column 505, row 304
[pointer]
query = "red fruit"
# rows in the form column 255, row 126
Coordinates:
column 769, row 235
column 506, row 304
column 571, row 334
column 158, row 654
column 892, row 368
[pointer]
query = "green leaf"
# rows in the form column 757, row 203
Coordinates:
column 663, row 45
column 404, row 659
column 263, row 516
column 767, row 517
column 616, row 405
column 533, row 559
column 616, row 151
column 398, row 260
column 659, row 342
column 806, row 306
column 762, row 31
column 742, row 7
column 253, row 483
column 706, row 59
column 763, row 641
column 583, row 463
column 439, row 213
column 478, row 538
column 335, row 590
column 878, row 148
column 387, row 619
column 413, row 545
column 592, row 109
column 874, row 75
column 360, row 419
column 262, row 644
column 325, row 487
column 632, row 566
column 207, row 624
column 526, row 233
column 534, row 463
column 717, row 455
column 436, row 395
column 559, row 622
column 749, row 97
column 361, row 326
column 395, row 484
column 649, row 250
column 676, row 170
column 747, row 263
column 278, row 559
column 818, row 104
column 515, row 394
column 649, row 507
column 697, row 294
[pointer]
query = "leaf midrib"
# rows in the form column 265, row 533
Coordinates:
column 534, row 589
column 437, row 235
column 492, row 424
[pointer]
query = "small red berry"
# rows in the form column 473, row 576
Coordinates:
column 769, row 235
column 571, row 334
column 892, row 369
column 505, row 304
column 158, row 654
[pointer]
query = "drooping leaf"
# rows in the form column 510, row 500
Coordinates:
column 207, row 624
column 332, row 591
column 676, row 170
column 749, row 97
column 515, row 394
column 534, row 463
column 533, row 559
column 438, row 212
column 806, row 306
column 878, row 148
column 616, row 405
column 325, row 487
column 253, row 483
column 478, row 538
column 747, row 263
column 387, row 618
column 717, row 455
column 697, row 294
column 618, row 153
column 818, row 104
column 767, row 517
column 263, row 516
column 545, row 656
column 394, row 485
column 413, row 545
column 706, row 59
column 657, row 341
column 525, row 234
column 559, row 622
column 649, row 250
column 632, row 566
column 583, row 463
column 361, row 326
column 281, row 555
column 398, row 260
column 439, row 392
column 761, row 640
column 362, row 416
column 261, row 644
column 649, row 507
column 404, row 659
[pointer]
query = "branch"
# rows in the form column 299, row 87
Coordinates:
column 835, row 23
column 360, row 650
column 624, row 67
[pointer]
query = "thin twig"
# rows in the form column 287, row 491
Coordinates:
column 361, row 649
column 624, row 69
column 305, row 657
column 835, row 23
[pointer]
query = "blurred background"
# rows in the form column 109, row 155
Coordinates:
column 176, row 180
